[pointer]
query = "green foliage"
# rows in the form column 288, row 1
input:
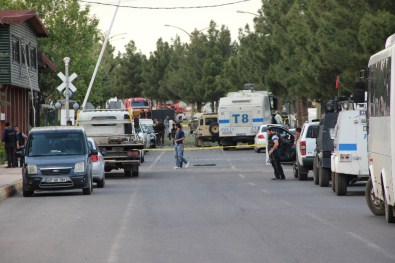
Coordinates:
column 3, row 156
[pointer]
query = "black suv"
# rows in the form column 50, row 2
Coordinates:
column 57, row 158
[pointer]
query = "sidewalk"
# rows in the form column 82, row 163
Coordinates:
column 10, row 181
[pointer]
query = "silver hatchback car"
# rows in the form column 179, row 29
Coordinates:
column 98, row 173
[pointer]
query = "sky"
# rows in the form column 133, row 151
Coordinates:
column 146, row 26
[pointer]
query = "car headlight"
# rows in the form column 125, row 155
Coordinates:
column 79, row 167
column 31, row 169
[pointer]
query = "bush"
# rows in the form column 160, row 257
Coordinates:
column 3, row 157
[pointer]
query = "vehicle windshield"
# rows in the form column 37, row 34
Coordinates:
column 59, row 143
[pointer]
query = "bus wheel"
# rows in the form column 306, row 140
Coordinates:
column 340, row 184
column 388, row 211
column 375, row 205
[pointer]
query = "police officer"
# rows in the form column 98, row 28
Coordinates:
column 274, row 154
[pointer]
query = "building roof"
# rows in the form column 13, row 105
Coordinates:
column 47, row 61
column 17, row 17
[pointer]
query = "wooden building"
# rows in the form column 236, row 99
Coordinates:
column 19, row 67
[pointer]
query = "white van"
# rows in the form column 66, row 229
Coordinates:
column 349, row 160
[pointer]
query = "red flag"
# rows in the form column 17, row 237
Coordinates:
column 337, row 82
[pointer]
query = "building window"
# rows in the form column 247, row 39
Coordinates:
column 25, row 54
column 33, row 57
column 16, row 50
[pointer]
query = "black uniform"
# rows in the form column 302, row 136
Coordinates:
column 275, row 157
column 9, row 139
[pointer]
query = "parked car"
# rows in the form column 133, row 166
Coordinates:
column 207, row 129
column 149, row 129
column 98, row 173
column 305, row 149
column 261, row 137
column 57, row 158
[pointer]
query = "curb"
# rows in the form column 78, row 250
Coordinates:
column 11, row 189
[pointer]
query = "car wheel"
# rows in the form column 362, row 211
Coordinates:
column 295, row 170
column 128, row 173
column 214, row 128
column 27, row 193
column 302, row 173
column 315, row 172
column 323, row 177
column 89, row 189
column 101, row 183
column 376, row 206
column 135, row 172
column 388, row 211
column 340, row 184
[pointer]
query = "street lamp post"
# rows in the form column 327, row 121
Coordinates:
column 190, row 35
column 246, row 12
column 180, row 29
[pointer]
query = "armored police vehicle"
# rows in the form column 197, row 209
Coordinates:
column 323, row 152
column 240, row 114
column 349, row 162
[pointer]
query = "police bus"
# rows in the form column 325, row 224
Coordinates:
column 380, row 189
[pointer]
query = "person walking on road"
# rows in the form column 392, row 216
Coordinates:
column 9, row 140
column 274, row 154
column 179, row 147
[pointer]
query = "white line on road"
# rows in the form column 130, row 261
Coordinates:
column 116, row 247
column 156, row 160
column 242, row 176
column 251, row 183
column 372, row 245
column 264, row 191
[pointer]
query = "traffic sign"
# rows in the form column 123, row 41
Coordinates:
column 62, row 86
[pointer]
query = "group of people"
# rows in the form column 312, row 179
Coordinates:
column 175, row 134
column 13, row 140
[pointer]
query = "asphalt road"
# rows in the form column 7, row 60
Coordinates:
column 224, row 208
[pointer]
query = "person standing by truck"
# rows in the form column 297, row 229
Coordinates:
column 274, row 154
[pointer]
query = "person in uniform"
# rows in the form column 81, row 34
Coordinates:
column 274, row 154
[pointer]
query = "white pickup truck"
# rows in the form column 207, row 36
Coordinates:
column 117, row 139
column 305, row 149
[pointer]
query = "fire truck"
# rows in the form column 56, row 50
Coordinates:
column 142, row 107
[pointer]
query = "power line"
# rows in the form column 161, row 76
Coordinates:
column 165, row 8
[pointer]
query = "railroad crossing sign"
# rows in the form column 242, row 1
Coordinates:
column 62, row 87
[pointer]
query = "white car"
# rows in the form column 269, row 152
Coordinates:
column 98, row 173
column 305, row 149
column 260, row 139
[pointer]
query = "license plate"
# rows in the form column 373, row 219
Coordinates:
column 57, row 180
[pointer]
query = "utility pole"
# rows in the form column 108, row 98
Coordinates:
column 66, row 62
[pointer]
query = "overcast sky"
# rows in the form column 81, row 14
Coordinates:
column 146, row 26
